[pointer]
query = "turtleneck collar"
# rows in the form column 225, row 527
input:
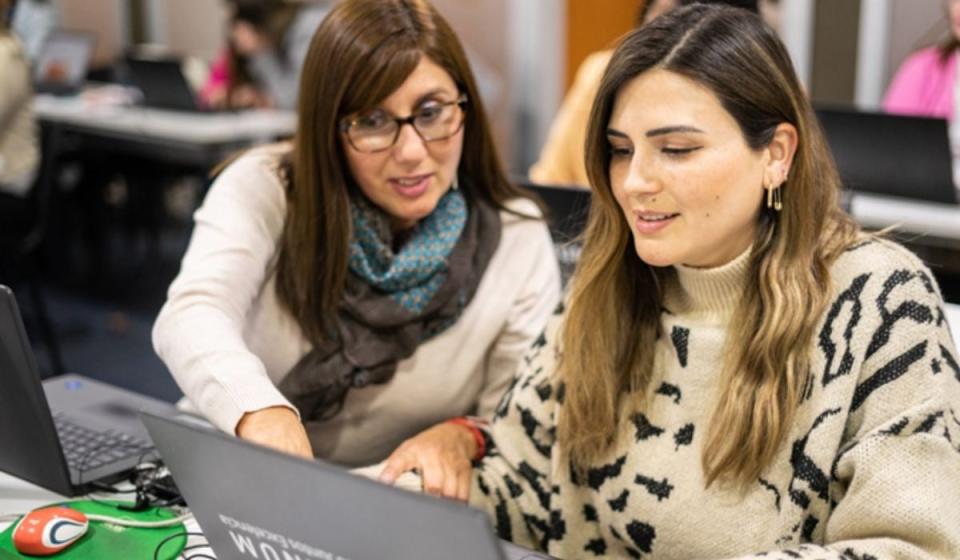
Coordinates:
column 711, row 292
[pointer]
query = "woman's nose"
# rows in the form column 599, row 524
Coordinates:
column 409, row 146
column 642, row 178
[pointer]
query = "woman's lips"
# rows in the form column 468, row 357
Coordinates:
column 653, row 222
column 411, row 187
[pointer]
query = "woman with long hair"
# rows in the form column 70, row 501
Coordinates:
column 345, row 295
column 926, row 83
column 737, row 371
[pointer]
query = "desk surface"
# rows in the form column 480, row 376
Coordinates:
column 198, row 128
column 910, row 216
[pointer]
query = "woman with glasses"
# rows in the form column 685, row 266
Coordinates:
column 347, row 294
column 738, row 371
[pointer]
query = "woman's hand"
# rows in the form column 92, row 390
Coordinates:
column 276, row 427
column 442, row 455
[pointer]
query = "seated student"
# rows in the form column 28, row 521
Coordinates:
column 19, row 152
column 738, row 371
column 33, row 20
column 926, row 83
column 268, row 40
column 378, row 276
column 561, row 159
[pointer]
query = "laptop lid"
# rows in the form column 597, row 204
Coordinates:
column 31, row 448
column 101, row 420
column 254, row 502
column 61, row 66
column 892, row 155
column 162, row 83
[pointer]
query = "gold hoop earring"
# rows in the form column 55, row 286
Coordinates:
column 774, row 198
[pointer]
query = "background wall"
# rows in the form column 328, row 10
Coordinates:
column 913, row 24
column 108, row 19
column 525, row 52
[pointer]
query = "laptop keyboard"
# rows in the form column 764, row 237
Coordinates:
column 87, row 449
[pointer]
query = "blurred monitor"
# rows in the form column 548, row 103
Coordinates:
column 61, row 66
column 162, row 83
column 891, row 155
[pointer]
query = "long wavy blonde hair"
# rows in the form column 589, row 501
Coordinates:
column 613, row 317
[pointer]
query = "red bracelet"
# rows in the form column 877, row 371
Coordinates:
column 475, row 432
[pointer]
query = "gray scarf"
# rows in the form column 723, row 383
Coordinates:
column 375, row 331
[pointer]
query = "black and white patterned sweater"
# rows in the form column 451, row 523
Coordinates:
column 870, row 469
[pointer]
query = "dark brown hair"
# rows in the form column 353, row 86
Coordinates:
column 361, row 53
column 272, row 19
column 613, row 317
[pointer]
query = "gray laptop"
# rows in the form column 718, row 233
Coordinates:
column 892, row 155
column 252, row 502
column 61, row 66
column 67, row 432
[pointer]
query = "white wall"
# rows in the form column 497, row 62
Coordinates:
column 517, row 49
column 105, row 18
column 914, row 24
column 188, row 27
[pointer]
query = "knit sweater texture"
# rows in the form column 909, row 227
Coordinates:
column 228, row 341
column 869, row 470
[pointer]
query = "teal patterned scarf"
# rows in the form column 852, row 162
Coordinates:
column 394, row 300
column 413, row 274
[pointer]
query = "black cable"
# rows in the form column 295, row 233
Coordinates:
column 169, row 538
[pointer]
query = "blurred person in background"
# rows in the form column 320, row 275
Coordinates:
column 267, row 43
column 19, row 151
column 33, row 20
column 926, row 83
column 561, row 159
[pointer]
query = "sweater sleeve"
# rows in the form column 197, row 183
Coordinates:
column 16, row 82
column 199, row 332
column 538, row 296
column 907, row 91
column 512, row 483
column 896, row 478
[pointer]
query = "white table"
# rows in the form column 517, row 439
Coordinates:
column 953, row 319
column 184, row 138
column 910, row 216
column 18, row 496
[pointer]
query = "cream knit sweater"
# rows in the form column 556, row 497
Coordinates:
column 19, row 154
column 870, row 469
column 228, row 342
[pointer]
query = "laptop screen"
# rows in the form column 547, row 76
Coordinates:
column 64, row 58
column 891, row 155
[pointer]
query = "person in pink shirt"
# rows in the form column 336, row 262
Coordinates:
column 924, row 84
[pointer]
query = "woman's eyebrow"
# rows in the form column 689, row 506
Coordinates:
column 426, row 96
column 671, row 129
column 617, row 133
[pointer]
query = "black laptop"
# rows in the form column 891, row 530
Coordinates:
column 891, row 155
column 69, row 431
column 253, row 502
column 162, row 83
